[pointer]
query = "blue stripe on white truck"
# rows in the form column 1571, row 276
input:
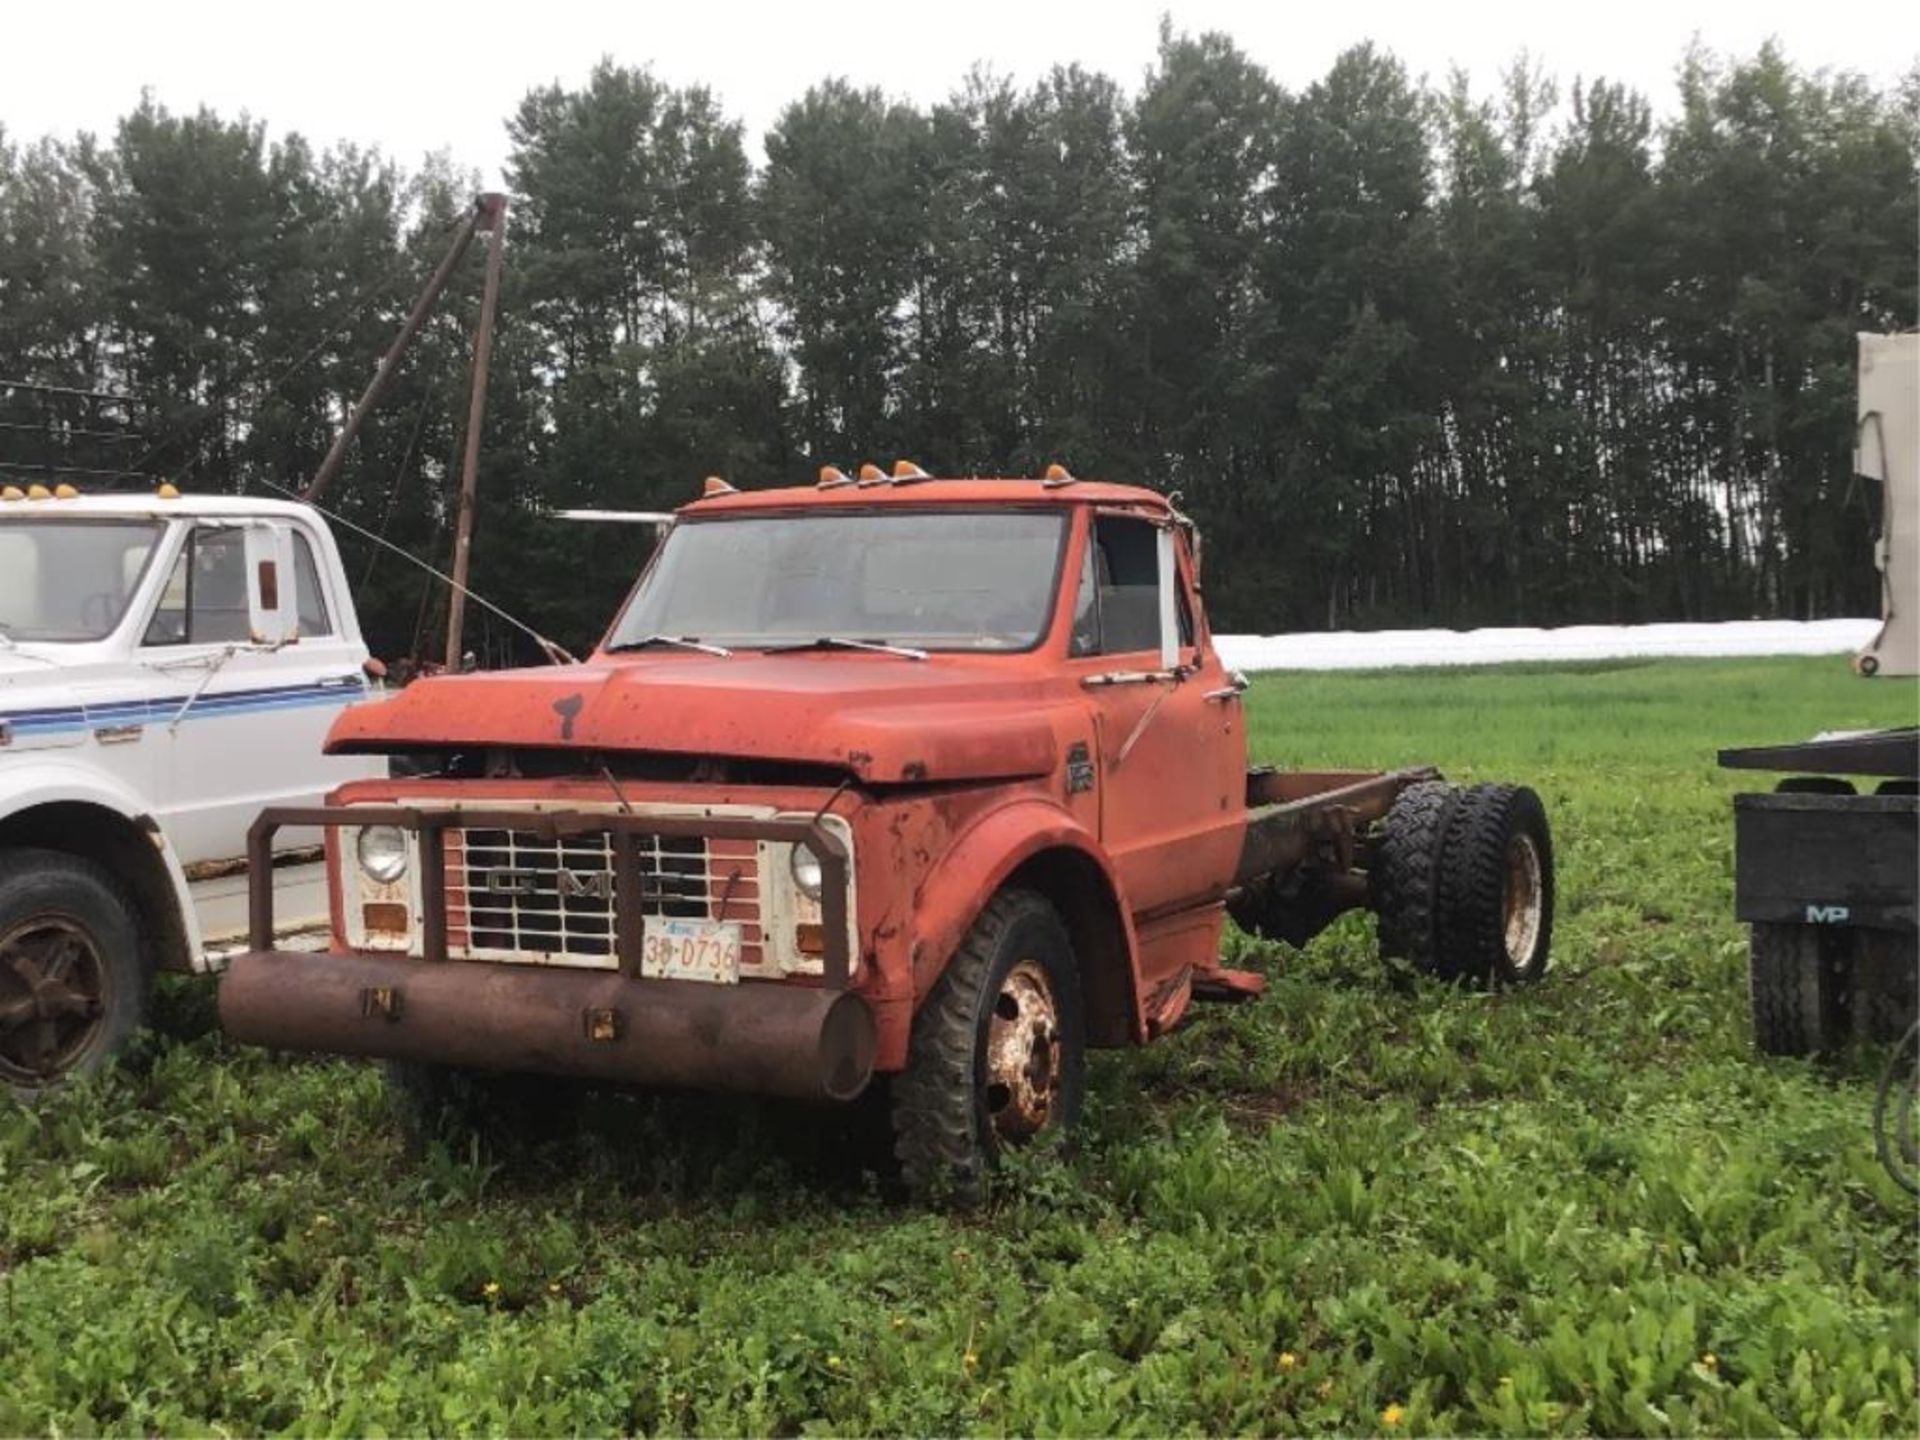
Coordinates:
column 157, row 708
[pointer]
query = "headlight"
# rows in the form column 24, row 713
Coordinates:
column 383, row 853
column 806, row 871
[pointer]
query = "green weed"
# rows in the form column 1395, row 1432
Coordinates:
column 1363, row 1203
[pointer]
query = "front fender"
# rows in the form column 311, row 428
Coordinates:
column 975, row 867
column 47, row 777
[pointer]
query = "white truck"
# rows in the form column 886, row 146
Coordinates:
column 168, row 667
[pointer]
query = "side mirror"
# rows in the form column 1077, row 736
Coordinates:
column 1169, row 588
column 273, row 617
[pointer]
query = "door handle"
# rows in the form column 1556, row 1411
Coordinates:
column 1236, row 684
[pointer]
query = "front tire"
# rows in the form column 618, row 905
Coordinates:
column 75, row 977
column 998, row 1051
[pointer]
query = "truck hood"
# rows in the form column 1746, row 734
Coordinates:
column 886, row 719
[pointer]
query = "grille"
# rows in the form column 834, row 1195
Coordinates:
column 514, row 894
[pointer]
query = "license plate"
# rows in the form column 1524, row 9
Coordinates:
column 706, row 950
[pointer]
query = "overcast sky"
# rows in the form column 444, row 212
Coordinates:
column 412, row 78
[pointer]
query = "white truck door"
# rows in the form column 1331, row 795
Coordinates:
column 251, row 639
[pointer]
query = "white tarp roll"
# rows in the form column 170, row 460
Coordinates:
column 1390, row 649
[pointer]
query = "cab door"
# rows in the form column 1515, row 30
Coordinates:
column 1172, row 748
column 256, row 664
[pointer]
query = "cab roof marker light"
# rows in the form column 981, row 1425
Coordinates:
column 12, row 492
column 871, row 474
column 1058, row 475
column 832, row 477
column 905, row 472
column 167, row 490
column 716, row 486
column 39, row 492
column 64, row 491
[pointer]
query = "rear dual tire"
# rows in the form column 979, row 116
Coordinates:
column 1815, row 988
column 1463, row 883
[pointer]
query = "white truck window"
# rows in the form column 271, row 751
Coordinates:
column 310, row 599
column 70, row 580
column 205, row 602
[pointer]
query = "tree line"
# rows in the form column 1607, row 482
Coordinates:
column 1408, row 352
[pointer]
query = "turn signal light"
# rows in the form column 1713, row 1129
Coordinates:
column 385, row 917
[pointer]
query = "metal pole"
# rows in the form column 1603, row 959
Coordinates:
column 492, row 214
column 390, row 362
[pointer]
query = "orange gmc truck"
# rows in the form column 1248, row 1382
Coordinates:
column 888, row 779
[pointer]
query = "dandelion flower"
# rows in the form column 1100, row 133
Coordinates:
column 1392, row 1416
column 490, row 1289
column 1710, row 1360
column 553, row 1287
column 833, row 1362
column 1288, row 1360
column 969, row 1359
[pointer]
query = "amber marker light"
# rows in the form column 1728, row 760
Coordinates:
column 384, row 917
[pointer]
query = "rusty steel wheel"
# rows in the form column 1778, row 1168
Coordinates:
column 73, row 974
column 1523, row 899
column 53, row 996
column 1022, row 1079
column 998, row 1051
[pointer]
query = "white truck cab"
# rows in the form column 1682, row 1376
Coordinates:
column 169, row 666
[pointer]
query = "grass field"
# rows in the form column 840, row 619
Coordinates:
column 1358, row 1205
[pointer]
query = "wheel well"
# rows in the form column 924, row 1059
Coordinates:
column 123, row 846
column 1073, row 883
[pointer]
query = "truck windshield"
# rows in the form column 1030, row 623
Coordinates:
column 931, row 579
column 70, row 579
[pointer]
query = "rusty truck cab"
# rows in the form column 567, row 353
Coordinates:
column 849, row 804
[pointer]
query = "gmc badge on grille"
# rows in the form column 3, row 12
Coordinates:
column 571, row 884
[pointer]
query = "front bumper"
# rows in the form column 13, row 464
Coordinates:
column 760, row 1037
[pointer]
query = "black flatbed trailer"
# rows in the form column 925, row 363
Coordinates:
column 1827, row 875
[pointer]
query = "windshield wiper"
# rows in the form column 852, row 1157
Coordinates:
column 683, row 642
column 840, row 642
